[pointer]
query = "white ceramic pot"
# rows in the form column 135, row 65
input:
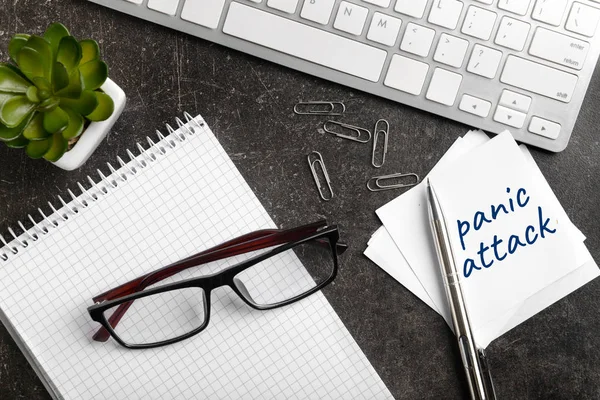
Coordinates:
column 95, row 132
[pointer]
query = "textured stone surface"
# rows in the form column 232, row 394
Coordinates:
column 248, row 103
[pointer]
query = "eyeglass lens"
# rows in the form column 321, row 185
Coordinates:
column 287, row 275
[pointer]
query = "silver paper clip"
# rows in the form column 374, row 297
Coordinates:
column 385, row 130
column 374, row 184
column 360, row 135
column 315, row 158
column 320, row 108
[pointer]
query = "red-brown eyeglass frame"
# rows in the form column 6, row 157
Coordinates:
column 261, row 239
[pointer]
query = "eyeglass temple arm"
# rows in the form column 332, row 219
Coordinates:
column 269, row 240
column 243, row 244
column 128, row 287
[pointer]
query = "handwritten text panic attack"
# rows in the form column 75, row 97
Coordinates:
column 498, row 249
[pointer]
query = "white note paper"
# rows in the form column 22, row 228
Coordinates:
column 406, row 218
column 510, row 240
column 383, row 251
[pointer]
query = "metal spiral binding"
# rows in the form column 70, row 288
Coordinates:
column 63, row 216
column 23, row 243
column 116, row 173
column 53, row 223
column 43, row 229
column 123, row 164
column 112, row 183
column 101, row 188
column 33, row 236
column 13, row 249
column 73, row 210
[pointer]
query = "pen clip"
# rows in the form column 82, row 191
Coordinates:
column 488, row 383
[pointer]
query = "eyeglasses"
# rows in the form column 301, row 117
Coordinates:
column 281, row 267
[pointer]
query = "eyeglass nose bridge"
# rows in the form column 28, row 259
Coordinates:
column 230, row 280
column 219, row 280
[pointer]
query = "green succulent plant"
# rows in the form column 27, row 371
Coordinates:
column 51, row 92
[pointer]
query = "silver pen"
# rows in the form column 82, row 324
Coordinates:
column 478, row 374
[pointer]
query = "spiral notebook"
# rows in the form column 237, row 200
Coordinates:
column 177, row 197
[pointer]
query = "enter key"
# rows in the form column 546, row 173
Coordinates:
column 559, row 48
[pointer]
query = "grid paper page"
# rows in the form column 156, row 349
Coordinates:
column 190, row 199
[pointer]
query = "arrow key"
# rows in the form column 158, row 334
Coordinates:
column 515, row 101
column 545, row 128
column 509, row 117
column 475, row 105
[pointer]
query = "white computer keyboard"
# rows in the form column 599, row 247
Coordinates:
column 522, row 65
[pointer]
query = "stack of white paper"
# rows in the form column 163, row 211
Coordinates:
column 516, row 250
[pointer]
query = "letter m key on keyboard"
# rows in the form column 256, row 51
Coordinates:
column 464, row 60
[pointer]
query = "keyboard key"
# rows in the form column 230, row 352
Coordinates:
column 538, row 78
column 484, row 61
column 445, row 13
column 479, row 23
column 515, row 101
column 444, row 86
column 412, row 8
column 318, row 11
column 417, row 40
column 512, row 33
column 543, row 127
column 509, row 117
column 380, row 3
column 451, row 50
column 583, row 19
column 203, row 12
column 514, row 6
column 406, row 74
column 549, row 11
column 351, row 18
column 136, row 1
column 485, row 1
column 384, row 29
column 168, row 7
column 288, row 6
column 474, row 105
column 559, row 48
column 305, row 42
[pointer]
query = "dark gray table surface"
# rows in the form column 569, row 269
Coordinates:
column 248, row 103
